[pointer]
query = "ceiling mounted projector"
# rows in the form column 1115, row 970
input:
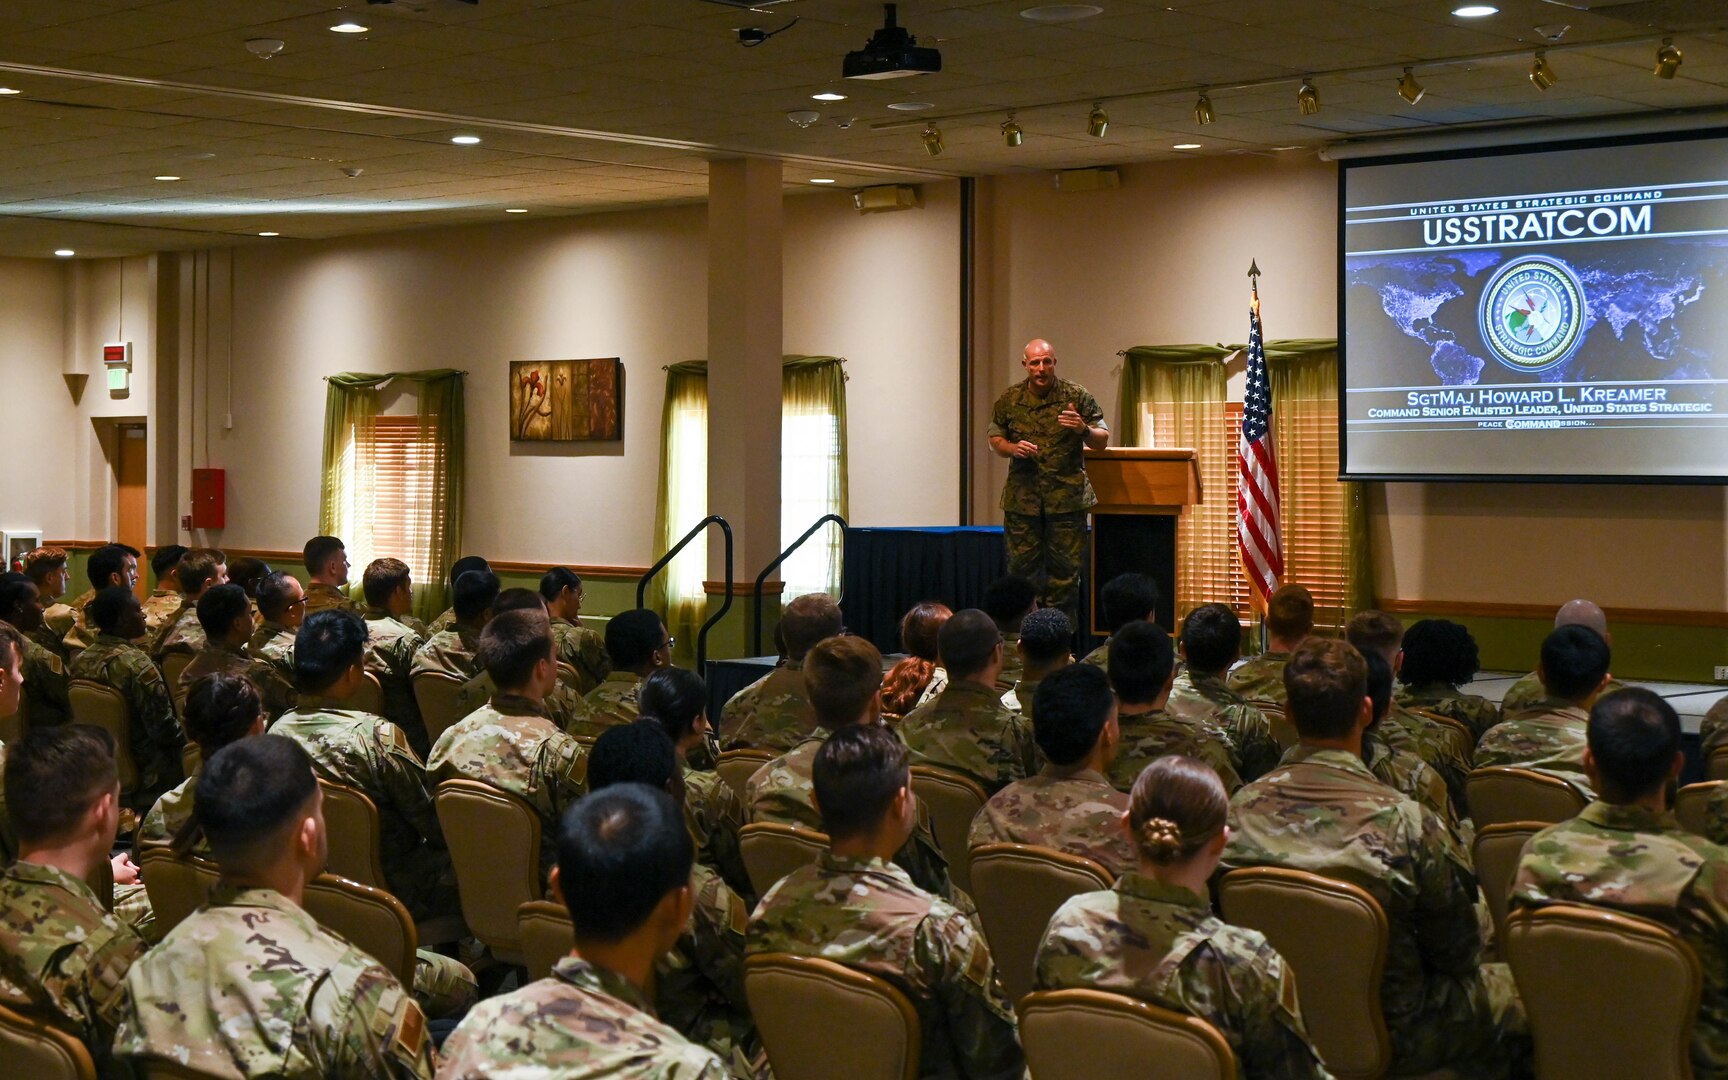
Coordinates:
column 892, row 53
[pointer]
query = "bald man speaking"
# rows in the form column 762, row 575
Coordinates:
column 1043, row 426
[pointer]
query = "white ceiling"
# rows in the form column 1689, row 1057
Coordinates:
column 588, row 105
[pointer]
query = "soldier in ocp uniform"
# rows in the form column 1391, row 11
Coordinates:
column 113, row 660
column 220, row 709
column 46, row 566
column 225, row 615
column 281, row 609
column 966, row 727
column 773, row 712
column 636, row 644
column 1528, row 693
column 465, row 564
column 1008, row 600
column 1142, row 669
column 1126, row 598
column 578, row 646
column 1289, row 620
column 1043, row 425
column 326, row 561
column 1439, row 657
column 1211, row 642
column 1045, row 645
column 391, row 644
column 110, row 564
column 201, row 570
column 45, row 680
column 1550, row 737
column 1449, row 751
column 677, row 700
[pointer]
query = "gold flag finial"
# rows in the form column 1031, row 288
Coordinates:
column 1253, row 268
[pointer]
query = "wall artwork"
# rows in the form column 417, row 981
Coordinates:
column 567, row 400
column 17, row 543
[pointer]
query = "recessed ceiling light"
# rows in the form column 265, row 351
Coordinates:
column 1186, row 146
column 65, row 253
column 465, row 140
column 269, row 234
column 911, row 106
column 349, row 27
column 1061, row 12
column 515, row 210
column 1475, row 11
column 821, row 180
column 828, row 96
column 166, row 176
column 9, row 90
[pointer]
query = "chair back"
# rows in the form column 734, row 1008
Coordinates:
column 568, row 676
column 369, row 918
column 547, row 936
column 1017, row 888
column 1716, row 768
column 369, row 697
column 494, row 842
column 1121, row 1036
column 954, row 800
column 736, row 767
column 800, row 1002
column 771, row 851
column 1501, row 793
column 174, row 665
column 1333, row 935
column 177, row 885
column 440, row 699
column 12, row 728
column 351, row 822
column 33, row 1048
column 1495, row 852
column 105, row 707
column 1692, row 806
column 1609, row 996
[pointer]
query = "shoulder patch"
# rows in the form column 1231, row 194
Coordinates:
column 409, row 1040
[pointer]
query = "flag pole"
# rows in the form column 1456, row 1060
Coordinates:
column 1254, row 592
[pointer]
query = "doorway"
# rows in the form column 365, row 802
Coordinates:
column 131, row 483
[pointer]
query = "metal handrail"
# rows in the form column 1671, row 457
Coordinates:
column 725, row 606
column 775, row 565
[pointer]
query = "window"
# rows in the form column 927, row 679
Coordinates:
column 810, row 478
column 389, row 477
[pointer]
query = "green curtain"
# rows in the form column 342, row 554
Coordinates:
column 1134, row 387
column 813, row 478
column 682, row 501
column 351, row 405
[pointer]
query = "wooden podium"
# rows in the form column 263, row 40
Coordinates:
column 1141, row 493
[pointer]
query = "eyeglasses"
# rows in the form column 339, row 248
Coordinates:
column 670, row 641
column 297, row 603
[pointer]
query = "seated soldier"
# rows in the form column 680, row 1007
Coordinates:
column 1446, row 749
column 1439, row 657
column 577, row 645
column 1551, row 738
column 113, row 660
column 1399, row 769
column 64, row 953
column 110, row 564
column 1069, row 805
column 1627, row 851
column 1289, row 620
column 624, row 862
column 11, row 694
column 281, row 610
column 842, row 677
column 461, row 566
column 1142, row 666
column 636, row 644
column 1154, row 937
column 220, row 709
column 509, row 743
column 45, row 678
column 391, row 643
column 772, row 712
column 454, row 651
column 677, row 700
column 564, row 706
column 200, row 571
column 699, row 984
column 166, row 600
column 1124, row 599
column 326, row 561
column 250, row 985
column 46, row 567
column 1008, row 600
column 225, row 615
column 248, row 572
column 855, row 907
column 368, row 752
column 920, row 676
column 966, row 727
column 1527, row 692
column 1045, row 640
column 1211, row 642
column 1323, row 811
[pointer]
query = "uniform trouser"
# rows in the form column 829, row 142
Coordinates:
column 1045, row 549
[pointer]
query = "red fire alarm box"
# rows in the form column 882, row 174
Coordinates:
column 209, row 498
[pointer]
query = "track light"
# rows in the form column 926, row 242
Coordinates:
column 932, row 139
column 1667, row 60
column 1540, row 73
column 1409, row 89
column 1097, row 121
column 1308, row 98
column 1203, row 114
column 1012, row 135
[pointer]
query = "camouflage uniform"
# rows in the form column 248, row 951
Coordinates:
column 45, row 685
column 1410, row 776
column 510, row 744
column 966, row 728
column 1323, row 811
column 563, row 705
column 1260, row 678
column 772, row 712
column 1100, row 657
column 715, row 813
column 1012, row 664
column 1046, row 496
column 277, row 694
column 170, row 814
column 1148, row 736
column 583, row 650
column 1528, row 692
column 1161, row 943
column 61, row 955
column 1022, row 698
column 933, row 687
column 184, row 635
column 390, row 649
column 322, row 597
column 273, row 643
column 783, row 792
column 1246, row 732
column 699, row 984
column 452, row 652
column 162, row 608
column 611, row 703
column 1643, row 863
column 1448, row 751
column 867, row 914
column 1549, row 740
column 45, row 637
column 1476, row 713
column 1713, row 729
column 8, row 838
column 446, row 620
column 581, row 1023
column 250, row 985
column 155, row 731
column 1067, row 808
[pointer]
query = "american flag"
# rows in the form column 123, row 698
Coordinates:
column 1257, row 481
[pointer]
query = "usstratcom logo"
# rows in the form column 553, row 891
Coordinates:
column 1532, row 313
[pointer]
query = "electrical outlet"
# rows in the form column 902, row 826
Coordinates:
column 1722, row 672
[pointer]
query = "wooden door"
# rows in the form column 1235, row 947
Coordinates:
column 131, row 481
